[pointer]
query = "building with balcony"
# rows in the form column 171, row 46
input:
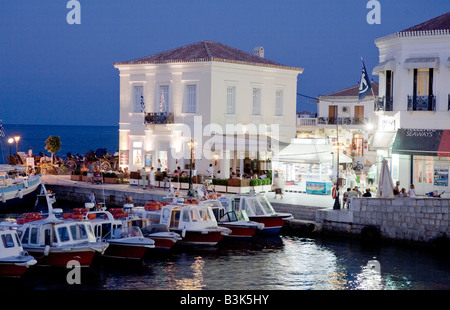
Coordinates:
column 414, row 78
column 223, row 106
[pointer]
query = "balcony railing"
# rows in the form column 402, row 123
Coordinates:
column 342, row 120
column 159, row 118
column 306, row 121
column 384, row 104
column 422, row 103
column 449, row 102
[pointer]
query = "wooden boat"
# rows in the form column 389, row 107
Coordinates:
column 124, row 242
column 17, row 190
column 55, row 242
column 14, row 261
column 259, row 209
column 237, row 221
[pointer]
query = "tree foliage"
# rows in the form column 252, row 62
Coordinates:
column 53, row 145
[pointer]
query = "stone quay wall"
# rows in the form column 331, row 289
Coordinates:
column 406, row 219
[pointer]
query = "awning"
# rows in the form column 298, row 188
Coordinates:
column 384, row 66
column 425, row 142
column 309, row 153
column 382, row 139
column 421, row 63
column 243, row 143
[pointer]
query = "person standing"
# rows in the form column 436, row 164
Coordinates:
column 397, row 188
column 151, row 178
column 412, row 191
column 143, row 175
column 90, row 173
column 211, row 171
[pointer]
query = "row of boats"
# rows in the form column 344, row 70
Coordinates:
column 54, row 237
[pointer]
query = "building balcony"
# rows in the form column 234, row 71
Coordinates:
column 159, row 118
column 342, row 120
column 306, row 121
column 384, row 104
column 422, row 103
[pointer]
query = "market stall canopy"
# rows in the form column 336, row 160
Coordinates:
column 309, row 153
column 426, row 142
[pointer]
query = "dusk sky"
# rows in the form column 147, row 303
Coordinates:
column 55, row 73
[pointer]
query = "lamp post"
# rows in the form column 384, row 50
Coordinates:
column 191, row 190
column 17, row 138
column 10, row 141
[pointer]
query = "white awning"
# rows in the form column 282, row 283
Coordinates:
column 382, row 139
column 242, row 143
column 384, row 66
column 309, row 153
column 421, row 63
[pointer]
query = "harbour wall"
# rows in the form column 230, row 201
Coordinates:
column 402, row 219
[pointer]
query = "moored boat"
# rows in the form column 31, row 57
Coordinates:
column 14, row 261
column 17, row 190
column 124, row 242
column 259, row 209
column 237, row 221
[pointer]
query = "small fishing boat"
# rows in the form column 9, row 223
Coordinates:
column 55, row 242
column 124, row 242
column 259, row 209
column 237, row 221
column 18, row 191
column 14, row 261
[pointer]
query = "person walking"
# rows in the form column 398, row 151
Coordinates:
column 143, row 175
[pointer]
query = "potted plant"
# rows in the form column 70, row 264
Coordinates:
column 110, row 178
column 220, row 185
column 76, row 175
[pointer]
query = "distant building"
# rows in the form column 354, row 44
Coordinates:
column 168, row 99
column 414, row 104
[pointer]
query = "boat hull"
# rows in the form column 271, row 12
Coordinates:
column 60, row 258
column 205, row 238
column 240, row 231
column 125, row 251
column 163, row 243
column 272, row 224
column 13, row 203
column 15, row 269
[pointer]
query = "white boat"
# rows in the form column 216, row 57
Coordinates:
column 237, row 221
column 195, row 223
column 16, row 188
column 124, row 242
column 55, row 242
column 160, row 233
column 259, row 209
column 14, row 261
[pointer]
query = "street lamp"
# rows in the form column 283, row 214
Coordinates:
column 10, row 141
column 191, row 189
column 17, row 138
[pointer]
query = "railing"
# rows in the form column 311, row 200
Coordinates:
column 159, row 118
column 303, row 121
column 449, row 102
column 384, row 104
column 342, row 120
column 422, row 103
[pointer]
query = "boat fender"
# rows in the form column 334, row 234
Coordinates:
column 20, row 194
column 25, row 183
column 183, row 232
column 47, row 250
column 3, row 198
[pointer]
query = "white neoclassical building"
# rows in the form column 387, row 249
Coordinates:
column 226, row 107
column 414, row 107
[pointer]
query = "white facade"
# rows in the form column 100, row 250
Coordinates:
column 414, row 76
column 197, row 94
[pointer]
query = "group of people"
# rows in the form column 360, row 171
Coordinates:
column 402, row 192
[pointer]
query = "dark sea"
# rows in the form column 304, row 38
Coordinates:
column 74, row 139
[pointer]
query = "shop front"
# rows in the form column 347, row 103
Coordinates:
column 427, row 153
column 308, row 168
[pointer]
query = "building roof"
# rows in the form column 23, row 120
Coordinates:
column 206, row 51
column 352, row 91
column 438, row 23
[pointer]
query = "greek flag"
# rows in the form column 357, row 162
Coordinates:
column 2, row 131
column 364, row 86
column 142, row 104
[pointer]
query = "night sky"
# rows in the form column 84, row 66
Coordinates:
column 55, row 73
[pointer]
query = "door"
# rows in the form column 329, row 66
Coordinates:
column 423, row 174
column 332, row 114
column 359, row 114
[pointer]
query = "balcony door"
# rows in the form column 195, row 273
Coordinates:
column 359, row 114
column 163, row 100
column 332, row 114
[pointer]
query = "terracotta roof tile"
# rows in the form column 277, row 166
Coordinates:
column 438, row 23
column 352, row 91
column 205, row 51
